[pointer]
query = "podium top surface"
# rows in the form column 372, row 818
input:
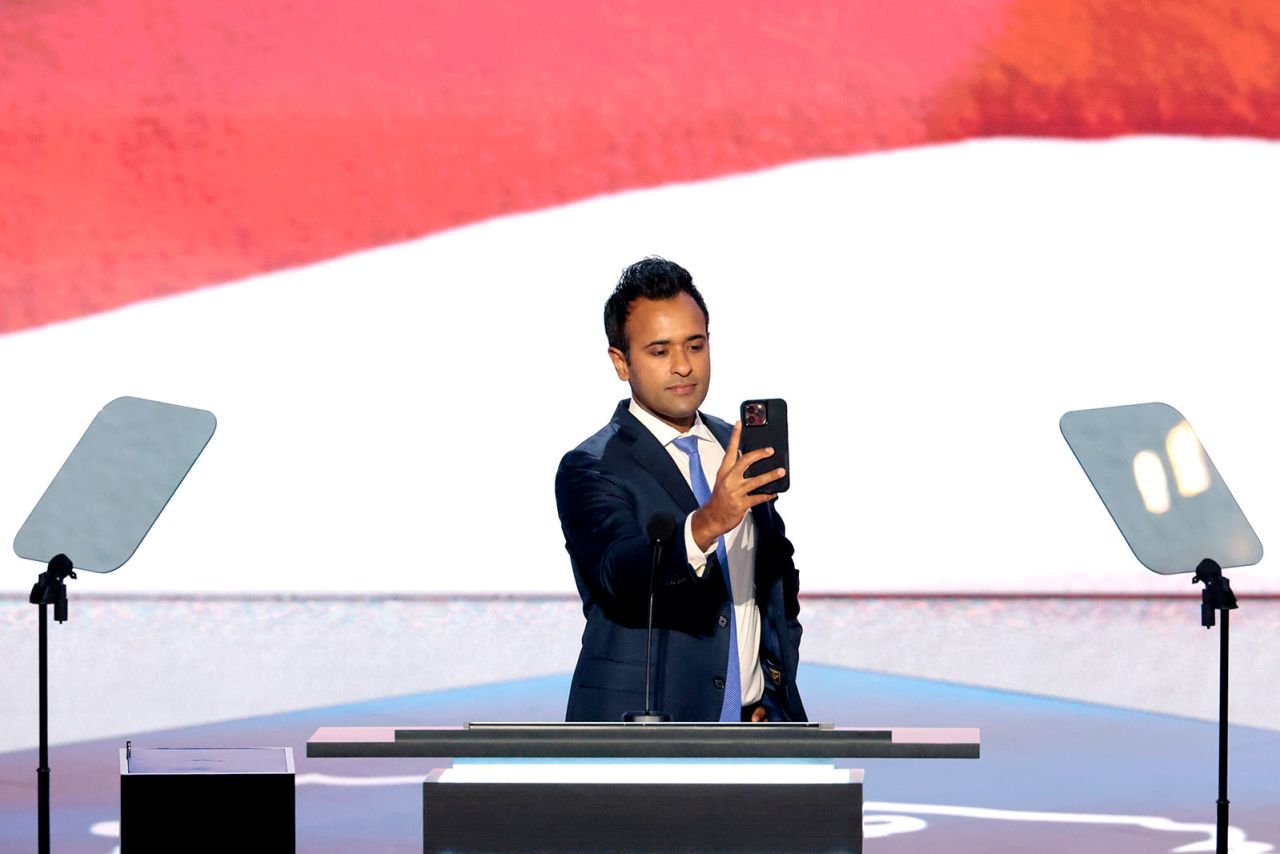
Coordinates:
column 637, row 741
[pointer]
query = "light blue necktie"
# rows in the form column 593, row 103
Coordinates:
column 731, row 708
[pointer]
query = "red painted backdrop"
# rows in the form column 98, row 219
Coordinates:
column 152, row 146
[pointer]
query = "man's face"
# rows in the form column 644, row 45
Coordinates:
column 670, row 366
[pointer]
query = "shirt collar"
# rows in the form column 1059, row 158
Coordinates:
column 665, row 433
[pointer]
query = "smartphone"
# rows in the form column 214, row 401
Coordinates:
column 764, row 425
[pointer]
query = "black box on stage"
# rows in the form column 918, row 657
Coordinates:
column 206, row 799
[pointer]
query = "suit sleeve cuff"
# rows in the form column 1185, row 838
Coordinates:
column 697, row 557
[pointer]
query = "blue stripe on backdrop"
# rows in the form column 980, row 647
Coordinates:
column 1054, row 775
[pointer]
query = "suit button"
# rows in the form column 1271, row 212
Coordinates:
column 719, row 683
column 724, row 621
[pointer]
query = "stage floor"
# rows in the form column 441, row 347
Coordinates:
column 1055, row 775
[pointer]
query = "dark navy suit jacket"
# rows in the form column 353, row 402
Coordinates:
column 607, row 489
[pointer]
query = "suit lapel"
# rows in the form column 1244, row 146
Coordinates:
column 654, row 459
column 722, row 431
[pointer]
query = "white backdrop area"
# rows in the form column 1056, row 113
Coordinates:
column 391, row 421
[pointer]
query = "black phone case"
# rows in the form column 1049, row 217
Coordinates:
column 772, row 434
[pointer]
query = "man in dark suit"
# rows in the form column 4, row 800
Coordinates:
column 727, row 638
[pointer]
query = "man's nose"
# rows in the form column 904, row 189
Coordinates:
column 680, row 363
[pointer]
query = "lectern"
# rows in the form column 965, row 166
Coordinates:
column 643, row 787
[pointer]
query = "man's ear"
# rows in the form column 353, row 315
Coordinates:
column 620, row 364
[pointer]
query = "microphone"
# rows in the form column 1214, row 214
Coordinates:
column 661, row 530
column 662, row 527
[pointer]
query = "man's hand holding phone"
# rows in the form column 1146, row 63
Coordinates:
column 730, row 497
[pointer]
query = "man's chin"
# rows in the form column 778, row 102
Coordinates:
column 683, row 411
column 674, row 409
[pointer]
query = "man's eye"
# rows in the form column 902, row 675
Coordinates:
column 695, row 347
column 658, row 353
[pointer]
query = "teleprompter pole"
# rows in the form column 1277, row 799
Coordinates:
column 1217, row 596
column 1223, row 803
column 50, row 589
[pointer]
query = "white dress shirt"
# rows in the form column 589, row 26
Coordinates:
column 739, row 544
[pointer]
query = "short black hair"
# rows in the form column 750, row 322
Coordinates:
column 652, row 278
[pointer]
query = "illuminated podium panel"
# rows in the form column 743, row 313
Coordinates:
column 643, row 787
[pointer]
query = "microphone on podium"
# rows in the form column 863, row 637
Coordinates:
column 661, row 530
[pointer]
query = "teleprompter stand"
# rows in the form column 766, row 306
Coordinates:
column 99, row 507
column 50, row 589
column 1177, row 515
column 1217, row 596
